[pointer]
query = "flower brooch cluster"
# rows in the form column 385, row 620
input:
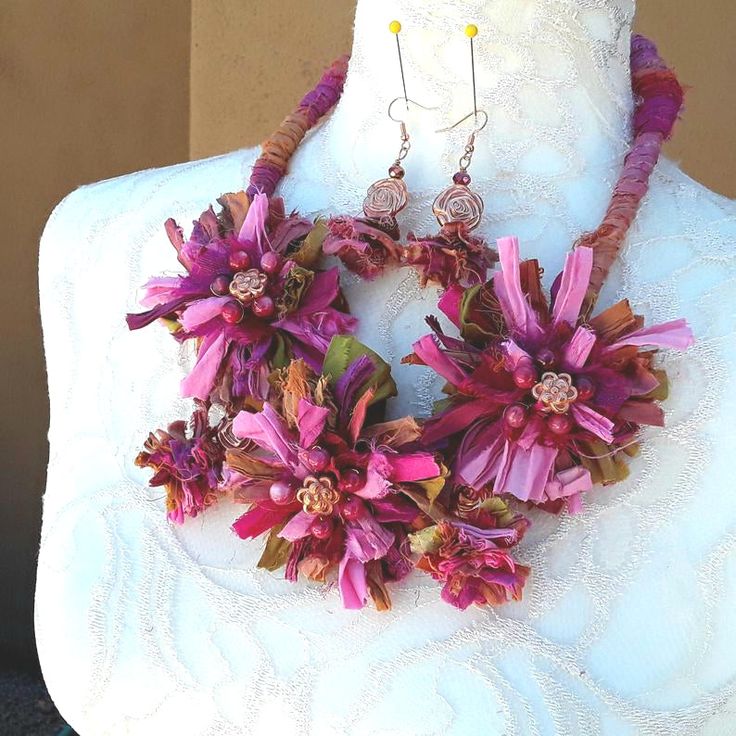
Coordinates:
column 542, row 404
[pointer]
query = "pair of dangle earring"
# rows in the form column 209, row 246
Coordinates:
column 369, row 244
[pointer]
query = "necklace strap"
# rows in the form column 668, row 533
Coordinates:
column 658, row 98
column 280, row 146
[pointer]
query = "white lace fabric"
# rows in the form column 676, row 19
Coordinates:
column 627, row 623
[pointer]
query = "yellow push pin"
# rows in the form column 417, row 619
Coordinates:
column 471, row 31
column 395, row 27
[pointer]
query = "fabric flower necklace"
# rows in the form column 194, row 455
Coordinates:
column 544, row 400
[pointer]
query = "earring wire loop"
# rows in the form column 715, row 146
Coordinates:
column 462, row 120
column 407, row 100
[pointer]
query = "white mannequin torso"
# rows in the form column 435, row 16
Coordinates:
column 626, row 627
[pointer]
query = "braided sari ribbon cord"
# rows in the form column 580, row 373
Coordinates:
column 280, row 146
column 658, row 98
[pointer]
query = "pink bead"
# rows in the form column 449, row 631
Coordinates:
column 281, row 492
column 559, row 423
column 239, row 260
column 546, row 357
column 318, row 459
column 585, row 387
column 524, row 375
column 232, row 312
column 515, row 415
column 321, row 527
column 462, row 178
column 263, row 307
column 396, row 172
column 351, row 480
column 220, row 285
column 271, row 262
column 352, row 509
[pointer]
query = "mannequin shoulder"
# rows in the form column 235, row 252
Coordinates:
column 146, row 198
column 679, row 205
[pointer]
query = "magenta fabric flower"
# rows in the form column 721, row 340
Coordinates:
column 453, row 256
column 250, row 297
column 328, row 482
column 474, row 564
column 187, row 463
column 543, row 403
column 366, row 247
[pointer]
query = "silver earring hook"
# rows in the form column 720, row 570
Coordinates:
column 407, row 100
column 467, row 117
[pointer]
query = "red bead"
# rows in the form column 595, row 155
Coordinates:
column 524, row 375
column 351, row 480
column 559, row 423
column 396, row 171
column 263, row 307
column 271, row 262
column 232, row 312
column 281, row 492
column 515, row 415
column 220, row 285
column 462, row 178
column 546, row 357
column 585, row 387
column 239, row 260
column 317, row 459
column 321, row 527
column 352, row 509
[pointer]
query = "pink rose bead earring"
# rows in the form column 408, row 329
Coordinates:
column 454, row 256
column 369, row 243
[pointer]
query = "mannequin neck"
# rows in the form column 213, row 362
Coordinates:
column 536, row 62
column 553, row 77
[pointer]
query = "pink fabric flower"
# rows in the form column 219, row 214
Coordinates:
column 453, row 256
column 472, row 566
column 543, row 403
column 328, row 483
column 365, row 247
column 187, row 464
column 245, row 299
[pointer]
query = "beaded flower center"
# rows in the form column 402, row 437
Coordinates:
column 248, row 285
column 318, row 495
column 555, row 392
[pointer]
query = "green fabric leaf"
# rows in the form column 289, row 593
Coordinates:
column 433, row 486
column 469, row 329
column 425, row 541
column 276, row 552
column 661, row 392
column 604, row 464
column 310, row 250
column 281, row 352
column 499, row 508
column 296, row 283
column 343, row 350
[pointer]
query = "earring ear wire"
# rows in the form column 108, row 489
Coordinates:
column 369, row 243
column 454, row 255
column 458, row 203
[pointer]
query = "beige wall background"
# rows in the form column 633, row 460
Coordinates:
column 95, row 88
column 296, row 39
